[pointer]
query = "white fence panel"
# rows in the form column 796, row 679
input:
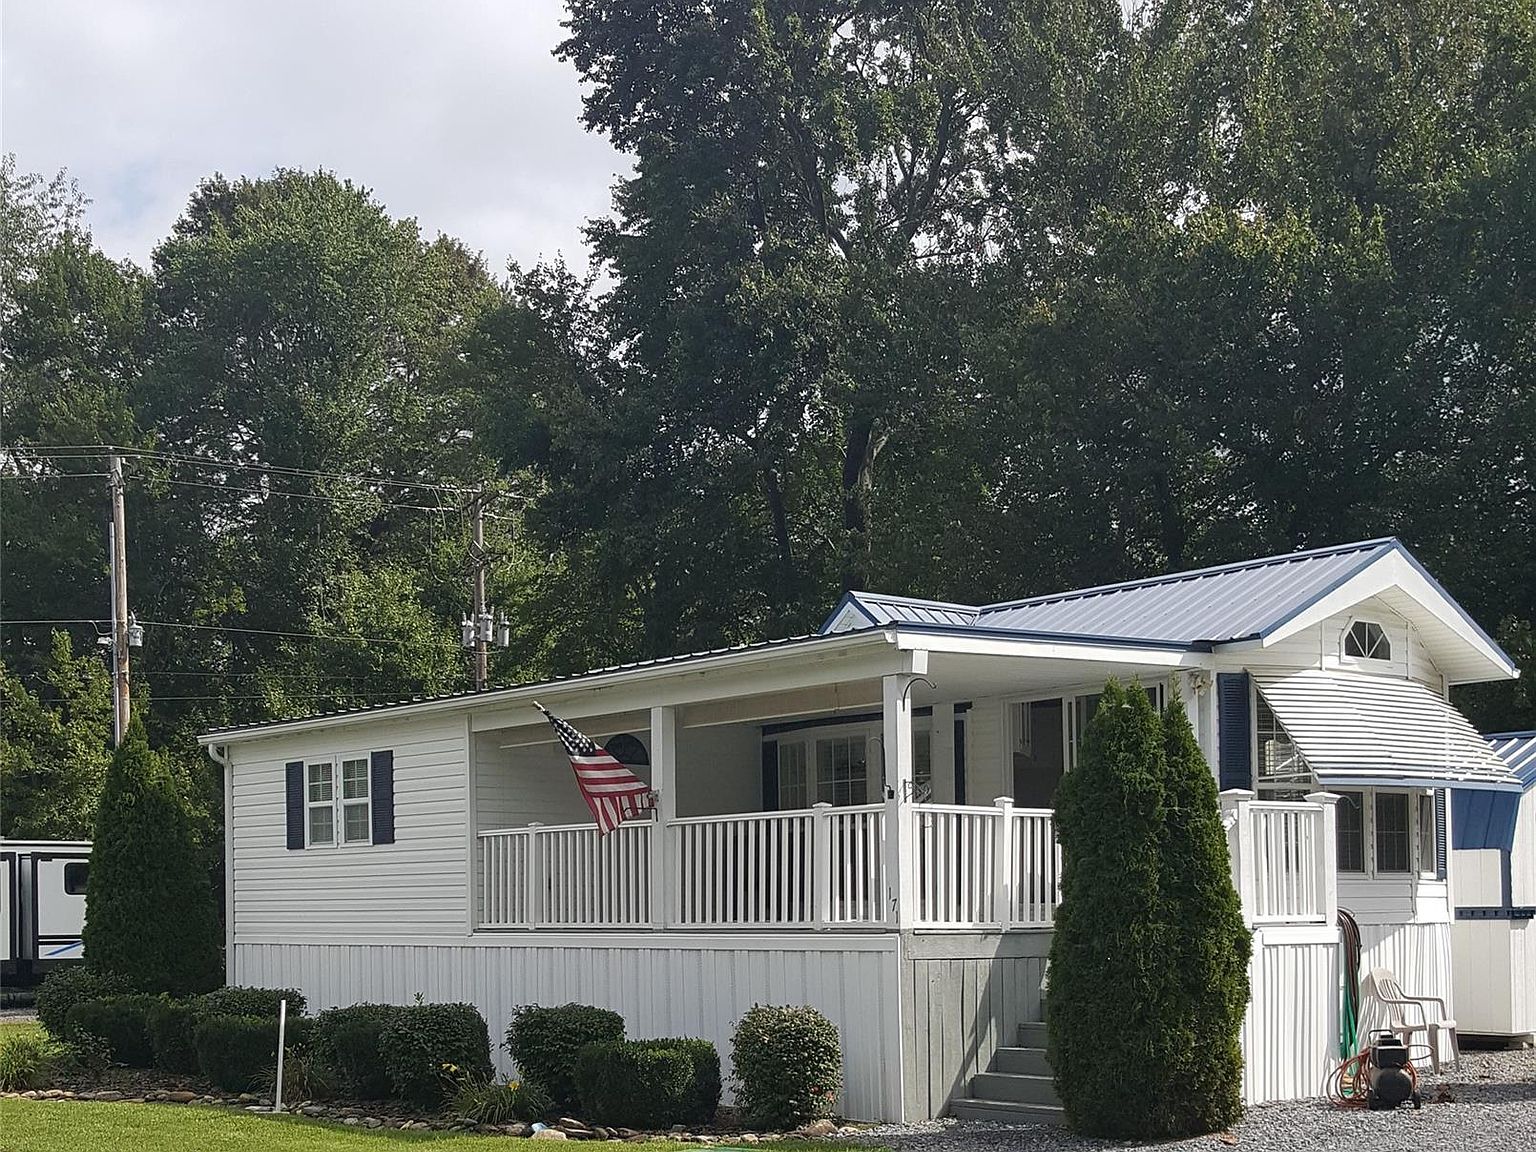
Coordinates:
column 853, row 893
column 955, row 851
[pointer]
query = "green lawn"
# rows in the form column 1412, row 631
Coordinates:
column 82, row 1126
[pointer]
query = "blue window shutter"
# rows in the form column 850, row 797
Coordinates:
column 1234, row 730
column 770, row 775
column 294, row 788
column 1439, row 833
column 381, row 790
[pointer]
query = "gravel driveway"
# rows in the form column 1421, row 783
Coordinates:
column 1489, row 1106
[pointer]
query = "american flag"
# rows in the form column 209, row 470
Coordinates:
column 610, row 789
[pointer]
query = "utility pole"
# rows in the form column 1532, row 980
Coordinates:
column 120, row 622
column 482, row 616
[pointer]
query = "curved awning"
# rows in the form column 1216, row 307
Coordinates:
column 1361, row 730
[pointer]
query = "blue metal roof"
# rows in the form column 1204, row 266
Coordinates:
column 1518, row 750
column 1198, row 608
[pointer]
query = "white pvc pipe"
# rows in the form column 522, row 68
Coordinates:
column 282, row 1035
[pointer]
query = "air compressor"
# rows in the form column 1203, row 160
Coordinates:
column 1389, row 1076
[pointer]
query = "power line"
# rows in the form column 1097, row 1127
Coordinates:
column 230, row 628
column 330, row 497
column 91, row 451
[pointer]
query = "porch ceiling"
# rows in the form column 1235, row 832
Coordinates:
column 964, row 676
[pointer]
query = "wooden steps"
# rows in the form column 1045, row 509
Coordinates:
column 1017, row 1089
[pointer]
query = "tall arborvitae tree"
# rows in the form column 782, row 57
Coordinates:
column 150, row 916
column 1207, row 941
column 1110, row 962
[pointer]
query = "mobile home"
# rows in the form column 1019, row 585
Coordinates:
column 860, row 820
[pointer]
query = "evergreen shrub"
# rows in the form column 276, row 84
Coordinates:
column 544, row 1042
column 649, row 1083
column 427, row 1048
column 169, row 1024
column 238, row 1052
column 62, row 990
column 347, row 1042
column 150, row 915
column 787, row 1065
column 121, row 1022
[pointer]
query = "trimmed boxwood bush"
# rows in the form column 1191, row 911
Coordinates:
column 243, row 1001
column 622, row 1082
column 426, row 1047
column 347, row 1042
column 63, row 989
column 649, row 1083
column 787, row 1064
column 236, row 1052
column 544, row 1042
column 120, row 1021
column 169, row 1024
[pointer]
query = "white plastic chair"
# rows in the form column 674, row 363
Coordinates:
column 1382, row 986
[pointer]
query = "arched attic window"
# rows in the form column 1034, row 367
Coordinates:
column 1366, row 640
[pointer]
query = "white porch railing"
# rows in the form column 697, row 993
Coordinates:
column 996, row 867
column 566, row 876
column 1283, row 857
column 821, row 867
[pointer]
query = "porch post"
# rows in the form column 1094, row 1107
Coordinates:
column 1328, row 854
column 1004, row 873
column 1238, row 819
column 664, row 784
column 896, row 745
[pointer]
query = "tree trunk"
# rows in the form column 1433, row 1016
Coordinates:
column 860, row 448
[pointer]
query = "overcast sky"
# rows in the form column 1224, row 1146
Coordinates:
column 451, row 111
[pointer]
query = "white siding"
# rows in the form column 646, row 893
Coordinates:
column 412, row 887
column 986, row 776
column 719, row 770
column 1290, row 1035
column 1419, row 955
column 1323, row 646
column 517, row 786
column 1522, row 861
column 677, row 985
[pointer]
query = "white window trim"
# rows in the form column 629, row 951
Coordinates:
column 1368, row 661
column 1418, row 868
column 1069, row 697
column 872, row 733
column 337, row 804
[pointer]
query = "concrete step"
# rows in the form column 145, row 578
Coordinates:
column 1005, row 1112
column 1032, row 1035
column 1024, row 1061
column 1014, row 1088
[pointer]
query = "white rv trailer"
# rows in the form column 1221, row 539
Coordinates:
column 42, row 906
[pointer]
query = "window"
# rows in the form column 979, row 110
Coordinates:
column 338, row 802
column 1282, row 774
column 76, row 876
column 1427, row 831
column 1039, row 751
column 1392, row 844
column 842, row 770
column 1350, row 811
column 794, row 788
column 1084, row 708
column 922, row 766
column 355, row 824
column 1365, row 640
column 322, row 804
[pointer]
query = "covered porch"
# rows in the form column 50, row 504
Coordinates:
column 880, row 789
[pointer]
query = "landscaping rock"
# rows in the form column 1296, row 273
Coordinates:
column 350, row 1120
column 550, row 1134
column 516, row 1128
column 314, row 1109
column 109, row 1095
column 678, row 1129
column 819, row 1128
column 372, row 1122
